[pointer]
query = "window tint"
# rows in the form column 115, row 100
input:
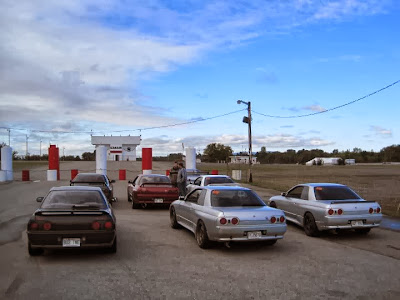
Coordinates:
column 198, row 181
column 231, row 198
column 304, row 194
column 155, row 179
column 194, row 197
column 89, row 178
column 334, row 193
column 217, row 180
column 296, row 192
column 200, row 201
column 66, row 199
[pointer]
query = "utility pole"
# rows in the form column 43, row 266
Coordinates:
column 9, row 137
column 248, row 121
column 26, row 154
column 40, row 150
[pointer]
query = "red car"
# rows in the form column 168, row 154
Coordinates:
column 151, row 189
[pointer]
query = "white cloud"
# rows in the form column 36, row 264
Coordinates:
column 316, row 108
column 382, row 132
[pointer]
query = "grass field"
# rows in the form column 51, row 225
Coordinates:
column 380, row 183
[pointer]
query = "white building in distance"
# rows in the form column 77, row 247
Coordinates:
column 118, row 147
column 237, row 159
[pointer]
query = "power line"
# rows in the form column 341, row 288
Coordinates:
column 330, row 109
column 126, row 130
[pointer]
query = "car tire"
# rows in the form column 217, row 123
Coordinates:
column 202, row 236
column 172, row 218
column 34, row 251
column 273, row 205
column 135, row 205
column 129, row 198
column 270, row 242
column 113, row 248
column 310, row 227
column 363, row 230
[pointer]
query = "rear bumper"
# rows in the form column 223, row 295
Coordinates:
column 152, row 200
column 53, row 240
column 344, row 222
column 239, row 233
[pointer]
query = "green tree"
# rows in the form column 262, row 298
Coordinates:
column 217, row 152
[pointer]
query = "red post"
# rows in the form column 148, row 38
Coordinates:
column 54, row 160
column 122, row 174
column 214, row 172
column 25, row 175
column 147, row 159
column 167, row 172
column 74, row 172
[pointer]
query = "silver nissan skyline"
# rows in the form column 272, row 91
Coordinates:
column 325, row 206
column 227, row 214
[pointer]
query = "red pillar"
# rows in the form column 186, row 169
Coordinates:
column 147, row 160
column 54, row 159
column 74, row 172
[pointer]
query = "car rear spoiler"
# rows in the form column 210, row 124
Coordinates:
column 351, row 201
column 157, row 183
column 71, row 212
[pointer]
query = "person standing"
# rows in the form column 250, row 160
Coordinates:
column 181, row 179
column 173, row 174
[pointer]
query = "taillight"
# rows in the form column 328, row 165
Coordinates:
column 223, row 221
column 235, row 221
column 47, row 226
column 108, row 225
column 143, row 190
column 34, row 226
column 273, row 220
column 95, row 225
column 378, row 210
column 371, row 210
column 330, row 212
column 282, row 219
column 340, row 211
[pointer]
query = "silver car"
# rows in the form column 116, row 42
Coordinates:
column 324, row 206
column 225, row 214
column 205, row 180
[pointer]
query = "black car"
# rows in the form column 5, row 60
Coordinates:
column 72, row 217
column 94, row 179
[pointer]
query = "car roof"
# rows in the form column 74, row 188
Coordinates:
column 75, row 188
column 223, row 187
column 153, row 175
column 322, row 184
column 214, row 176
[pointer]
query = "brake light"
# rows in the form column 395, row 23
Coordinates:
column 273, row 220
column 34, row 226
column 108, row 225
column 47, row 226
column 371, row 210
column 340, row 211
column 223, row 221
column 378, row 210
column 282, row 219
column 95, row 225
column 143, row 190
column 330, row 212
column 235, row 221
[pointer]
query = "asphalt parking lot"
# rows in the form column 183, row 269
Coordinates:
column 154, row 261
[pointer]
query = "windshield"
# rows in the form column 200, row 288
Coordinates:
column 74, row 199
column 334, row 193
column 155, row 179
column 89, row 178
column 231, row 198
column 217, row 180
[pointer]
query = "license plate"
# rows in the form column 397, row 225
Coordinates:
column 158, row 200
column 252, row 235
column 75, row 242
column 357, row 223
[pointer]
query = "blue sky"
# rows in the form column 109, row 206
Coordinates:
column 113, row 67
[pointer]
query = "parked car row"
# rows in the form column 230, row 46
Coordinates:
column 216, row 209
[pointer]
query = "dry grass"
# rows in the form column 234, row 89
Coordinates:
column 377, row 182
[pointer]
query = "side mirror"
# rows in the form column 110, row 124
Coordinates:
column 283, row 194
column 181, row 198
column 39, row 199
column 112, row 181
column 129, row 181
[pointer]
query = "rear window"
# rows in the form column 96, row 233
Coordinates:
column 217, row 180
column 155, row 179
column 334, row 193
column 89, row 178
column 232, row 198
column 67, row 199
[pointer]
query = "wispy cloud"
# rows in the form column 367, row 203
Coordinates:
column 315, row 108
column 382, row 132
